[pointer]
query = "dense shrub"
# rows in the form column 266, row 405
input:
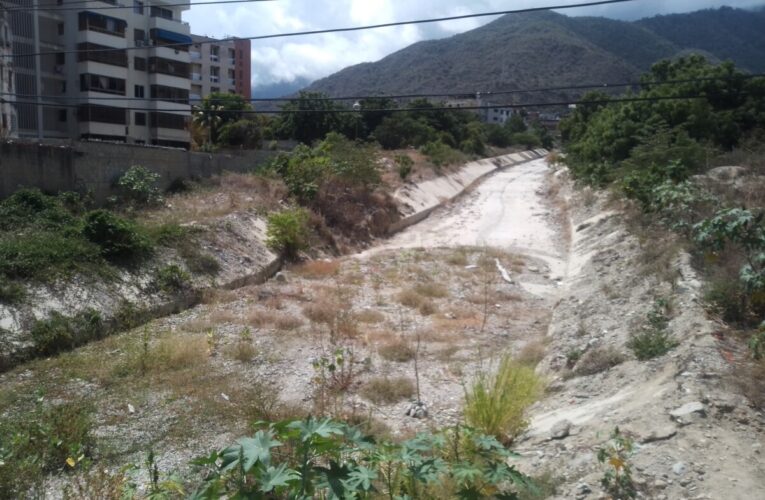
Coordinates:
column 404, row 165
column 243, row 133
column 10, row 292
column 325, row 459
column 138, row 186
column 118, row 238
column 442, row 155
column 400, row 131
column 172, row 278
column 287, row 232
column 495, row 403
column 45, row 254
column 654, row 340
column 62, row 333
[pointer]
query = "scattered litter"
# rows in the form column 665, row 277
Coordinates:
column 224, row 396
column 503, row 272
column 131, row 409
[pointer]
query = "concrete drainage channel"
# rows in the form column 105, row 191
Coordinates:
column 246, row 261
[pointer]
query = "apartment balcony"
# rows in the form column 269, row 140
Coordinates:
column 214, row 58
column 231, row 81
column 100, row 38
column 232, row 62
column 169, row 24
column 214, row 79
column 196, row 77
column 195, row 56
column 168, row 53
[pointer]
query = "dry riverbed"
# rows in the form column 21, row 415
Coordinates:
column 521, row 264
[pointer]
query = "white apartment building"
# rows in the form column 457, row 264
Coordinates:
column 8, row 123
column 220, row 66
column 90, row 76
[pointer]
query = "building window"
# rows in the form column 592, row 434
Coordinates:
column 168, row 120
column 100, row 83
column 138, row 91
column 169, row 67
column 140, row 119
column 60, row 59
column 214, row 89
column 170, row 94
column 160, row 12
column 139, row 35
column 101, row 53
column 139, row 63
column 90, row 21
column 101, row 114
column 138, row 7
column 62, row 115
column 60, row 28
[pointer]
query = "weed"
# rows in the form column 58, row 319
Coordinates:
column 410, row 298
column 61, row 333
column 52, row 438
column 172, row 278
column 617, row 480
column 398, row 351
column 201, row 263
column 427, row 308
column 458, row 257
column 287, row 232
column 495, row 403
column 384, row 390
column 286, row 322
column 598, row 360
column 545, row 485
column 654, row 340
column 179, row 352
column 572, row 358
column 10, row 292
column 243, row 350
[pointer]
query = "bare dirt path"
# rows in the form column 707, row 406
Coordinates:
column 509, row 210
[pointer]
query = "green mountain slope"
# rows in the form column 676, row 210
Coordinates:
column 547, row 49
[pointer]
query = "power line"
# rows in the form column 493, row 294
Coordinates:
column 405, row 96
column 68, row 5
column 400, row 110
column 338, row 30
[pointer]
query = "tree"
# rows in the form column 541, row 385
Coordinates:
column 310, row 117
column 243, row 133
column 217, row 110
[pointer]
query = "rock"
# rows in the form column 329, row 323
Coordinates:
column 659, row 484
column 280, row 277
column 533, row 269
column 660, row 434
column 561, row 430
column 679, row 468
column 418, row 410
column 689, row 413
column 582, row 490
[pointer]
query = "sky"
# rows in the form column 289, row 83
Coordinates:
column 307, row 58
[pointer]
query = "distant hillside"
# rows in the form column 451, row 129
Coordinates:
column 548, row 49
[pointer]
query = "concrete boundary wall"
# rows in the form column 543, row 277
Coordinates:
column 94, row 167
column 419, row 200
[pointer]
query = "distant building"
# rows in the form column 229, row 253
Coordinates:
column 495, row 114
column 74, row 89
column 8, row 121
column 220, row 66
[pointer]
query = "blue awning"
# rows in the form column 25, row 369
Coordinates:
column 171, row 36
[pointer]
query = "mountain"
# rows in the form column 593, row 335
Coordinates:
column 279, row 89
column 544, row 49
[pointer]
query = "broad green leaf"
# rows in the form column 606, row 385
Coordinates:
column 275, row 477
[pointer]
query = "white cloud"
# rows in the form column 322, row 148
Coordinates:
column 312, row 57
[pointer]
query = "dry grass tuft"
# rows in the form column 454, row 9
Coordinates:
column 410, row 298
column 322, row 311
column 218, row 296
column 458, row 257
column 384, row 390
column 370, row 316
column 598, row 360
column 432, row 290
column 318, row 269
column 198, row 325
column 398, row 351
column 222, row 316
column 287, row 322
column 261, row 318
column 751, row 378
column 532, row 352
column 179, row 352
